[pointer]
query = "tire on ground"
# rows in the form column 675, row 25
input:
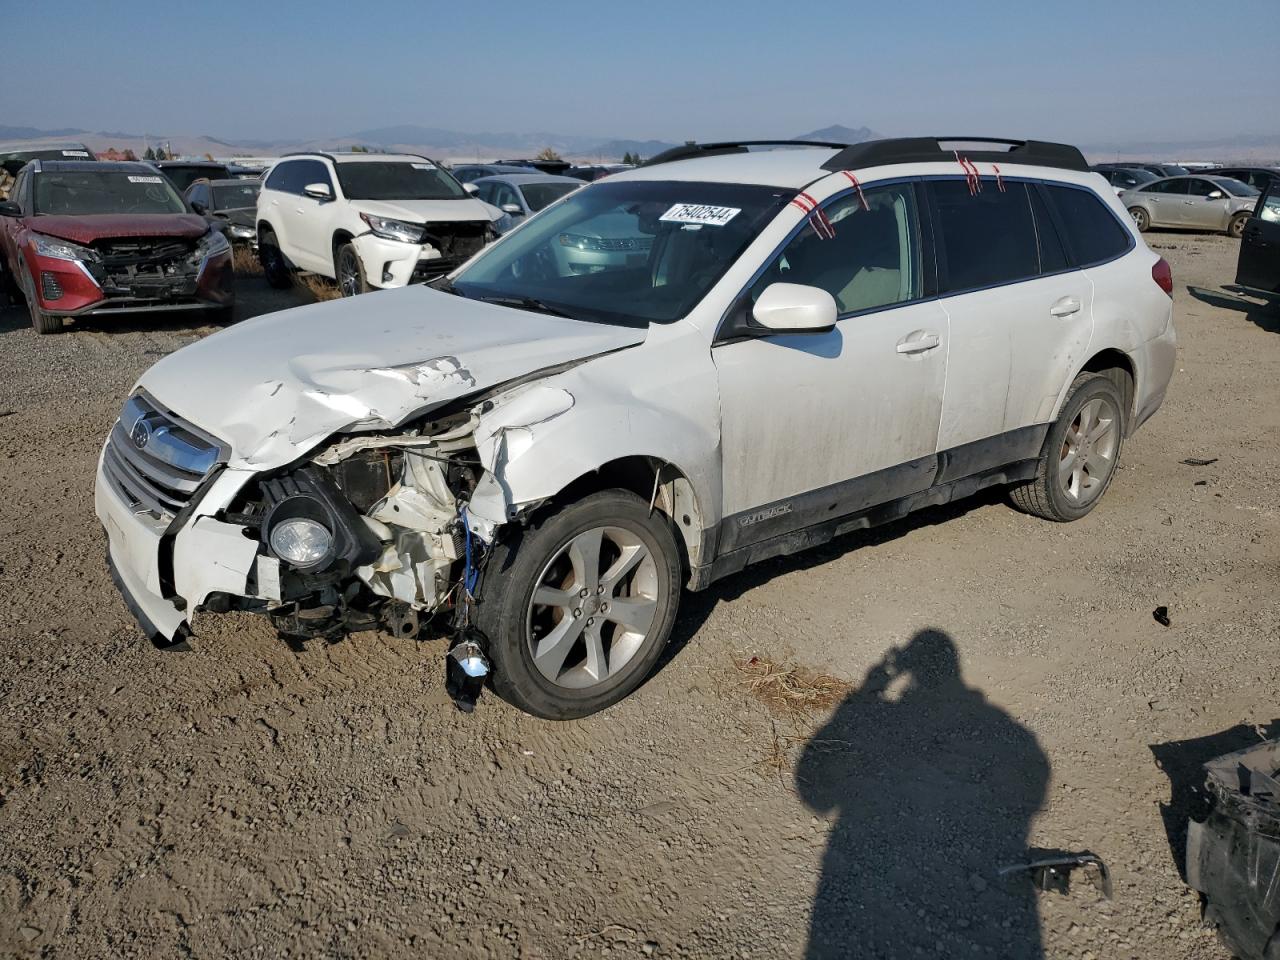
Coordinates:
column 273, row 263
column 1043, row 495
column 511, row 576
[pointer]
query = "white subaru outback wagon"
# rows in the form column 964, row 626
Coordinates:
column 535, row 456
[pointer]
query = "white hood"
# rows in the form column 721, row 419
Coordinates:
column 278, row 385
column 429, row 211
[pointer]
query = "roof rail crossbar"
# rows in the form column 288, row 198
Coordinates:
column 875, row 153
column 690, row 150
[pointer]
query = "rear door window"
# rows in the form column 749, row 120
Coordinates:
column 1093, row 234
column 987, row 238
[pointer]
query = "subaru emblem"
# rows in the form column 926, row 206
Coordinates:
column 140, row 434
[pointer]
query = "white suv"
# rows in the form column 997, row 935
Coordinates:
column 368, row 220
column 773, row 347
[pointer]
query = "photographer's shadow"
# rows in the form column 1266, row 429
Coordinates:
column 932, row 788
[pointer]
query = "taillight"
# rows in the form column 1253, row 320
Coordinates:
column 1162, row 275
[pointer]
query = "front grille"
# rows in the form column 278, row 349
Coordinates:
column 159, row 269
column 156, row 460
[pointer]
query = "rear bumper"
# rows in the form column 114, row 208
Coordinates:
column 1154, row 362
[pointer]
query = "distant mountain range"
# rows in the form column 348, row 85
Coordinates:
column 455, row 145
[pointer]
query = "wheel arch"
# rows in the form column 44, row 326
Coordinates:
column 340, row 236
column 658, row 481
column 1119, row 367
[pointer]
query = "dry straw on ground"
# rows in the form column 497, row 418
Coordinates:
column 790, row 692
column 246, row 262
column 319, row 287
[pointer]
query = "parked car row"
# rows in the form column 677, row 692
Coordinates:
column 1198, row 202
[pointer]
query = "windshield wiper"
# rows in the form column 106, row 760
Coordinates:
column 528, row 303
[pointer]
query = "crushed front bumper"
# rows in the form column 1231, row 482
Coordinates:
column 165, row 568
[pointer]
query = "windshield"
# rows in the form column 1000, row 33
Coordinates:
column 243, row 194
column 539, row 195
column 1235, row 187
column 14, row 161
column 397, row 180
column 1137, row 176
column 627, row 253
column 78, row 193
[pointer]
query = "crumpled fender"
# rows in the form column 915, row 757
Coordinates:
column 658, row 401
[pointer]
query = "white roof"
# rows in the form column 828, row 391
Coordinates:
column 372, row 157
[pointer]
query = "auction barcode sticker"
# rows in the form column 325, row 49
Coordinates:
column 423, row 166
column 75, row 153
column 700, row 213
column 146, row 179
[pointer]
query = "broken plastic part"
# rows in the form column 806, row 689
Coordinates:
column 1054, row 872
column 1233, row 855
column 466, row 669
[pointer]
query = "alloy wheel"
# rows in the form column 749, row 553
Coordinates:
column 1088, row 454
column 593, row 607
column 348, row 274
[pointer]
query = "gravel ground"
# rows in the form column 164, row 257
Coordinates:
column 1009, row 685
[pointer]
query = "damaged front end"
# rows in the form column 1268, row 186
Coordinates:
column 1233, row 855
column 387, row 532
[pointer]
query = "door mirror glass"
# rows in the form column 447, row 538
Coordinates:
column 318, row 191
column 795, row 308
column 1215, row 195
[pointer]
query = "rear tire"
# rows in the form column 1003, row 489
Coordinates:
column 1235, row 229
column 1141, row 219
column 593, row 588
column 1080, row 454
column 349, row 271
column 274, row 267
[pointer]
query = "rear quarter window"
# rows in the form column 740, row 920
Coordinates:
column 1093, row 234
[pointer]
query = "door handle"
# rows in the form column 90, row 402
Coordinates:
column 1065, row 307
column 918, row 342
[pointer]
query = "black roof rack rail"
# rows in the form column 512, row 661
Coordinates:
column 875, row 153
column 690, row 150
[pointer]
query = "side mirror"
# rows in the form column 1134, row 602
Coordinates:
column 9, row 209
column 198, row 207
column 513, row 208
column 1216, row 194
column 795, row 308
column 318, row 191
column 471, row 188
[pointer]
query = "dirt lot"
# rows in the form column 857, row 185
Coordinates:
column 1007, row 686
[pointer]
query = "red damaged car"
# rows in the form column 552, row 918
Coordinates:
column 99, row 239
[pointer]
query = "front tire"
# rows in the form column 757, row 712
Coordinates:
column 1235, row 229
column 41, row 321
column 349, row 272
column 1141, row 219
column 579, row 608
column 1080, row 454
column 274, row 267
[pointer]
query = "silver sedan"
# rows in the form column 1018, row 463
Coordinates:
column 1199, row 203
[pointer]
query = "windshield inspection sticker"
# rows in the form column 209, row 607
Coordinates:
column 75, row 153
column 700, row 213
column 423, row 166
column 146, row 179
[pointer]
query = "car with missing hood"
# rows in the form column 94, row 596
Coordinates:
column 804, row 339
column 228, row 205
column 102, row 239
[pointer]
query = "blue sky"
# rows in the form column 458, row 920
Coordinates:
column 1083, row 71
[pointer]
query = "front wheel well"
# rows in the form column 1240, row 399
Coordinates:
column 1118, row 367
column 654, row 480
column 339, row 238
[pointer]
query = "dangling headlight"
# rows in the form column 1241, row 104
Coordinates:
column 210, row 245
column 63, row 249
